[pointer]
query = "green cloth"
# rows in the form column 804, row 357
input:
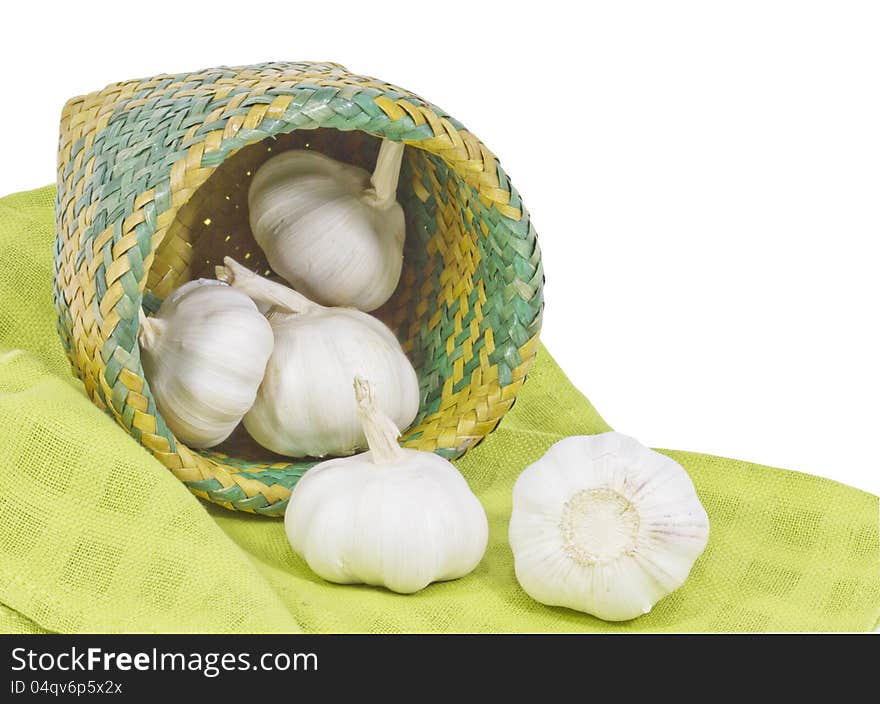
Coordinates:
column 96, row 535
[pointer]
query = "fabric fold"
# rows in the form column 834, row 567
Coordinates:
column 97, row 536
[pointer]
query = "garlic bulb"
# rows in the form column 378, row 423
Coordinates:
column 329, row 228
column 204, row 354
column 304, row 407
column 604, row 525
column 391, row 517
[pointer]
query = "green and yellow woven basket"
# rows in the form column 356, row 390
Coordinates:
column 152, row 192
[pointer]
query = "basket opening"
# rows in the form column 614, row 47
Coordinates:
column 441, row 254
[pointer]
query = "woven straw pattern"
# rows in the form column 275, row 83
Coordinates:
column 152, row 182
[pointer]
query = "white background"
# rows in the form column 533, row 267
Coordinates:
column 704, row 178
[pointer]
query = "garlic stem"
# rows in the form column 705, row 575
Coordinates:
column 386, row 174
column 262, row 290
column 148, row 328
column 379, row 429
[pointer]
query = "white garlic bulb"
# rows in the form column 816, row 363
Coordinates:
column 605, row 525
column 391, row 517
column 204, row 354
column 330, row 229
column 304, row 407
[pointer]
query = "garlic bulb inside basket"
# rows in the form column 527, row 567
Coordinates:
column 331, row 229
column 204, row 354
column 304, row 407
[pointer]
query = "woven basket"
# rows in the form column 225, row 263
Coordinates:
column 152, row 192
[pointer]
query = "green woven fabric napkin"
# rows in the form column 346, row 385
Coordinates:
column 95, row 535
